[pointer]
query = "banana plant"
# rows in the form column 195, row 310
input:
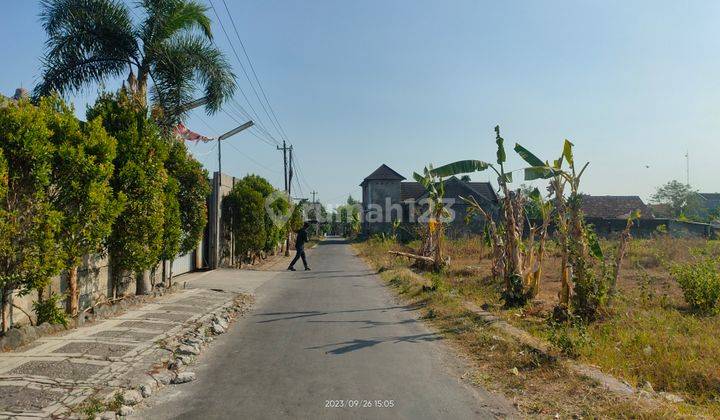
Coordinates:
column 622, row 249
column 532, row 271
column 493, row 237
column 517, row 290
column 583, row 286
column 558, row 181
column 432, row 243
column 573, row 235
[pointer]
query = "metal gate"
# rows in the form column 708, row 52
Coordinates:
column 184, row 263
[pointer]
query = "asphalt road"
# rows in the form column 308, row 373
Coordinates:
column 328, row 343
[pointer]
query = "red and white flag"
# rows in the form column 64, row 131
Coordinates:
column 184, row 133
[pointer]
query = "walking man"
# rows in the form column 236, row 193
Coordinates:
column 302, row 238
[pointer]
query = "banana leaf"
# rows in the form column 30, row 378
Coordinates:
column 419, row 178
column 460, row 167
column 567, row 152
column 535, row 196
column 538, row 169
column 501, row 157
column 528, row 157
column 594, row 244
column 540, row 172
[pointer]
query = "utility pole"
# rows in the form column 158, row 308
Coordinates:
column 288, row 186
column 687, row 167
column 290, row 170
column 284, row 149
column 288, row 181
column 316, row 213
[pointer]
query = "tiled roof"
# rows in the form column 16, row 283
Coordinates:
column 454, row 188
column 384, row 172
column 411, row 190
column 614, row 206
column 484, row 188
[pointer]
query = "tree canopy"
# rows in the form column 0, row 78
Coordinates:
column 81, row 191
column 193, row 191
column 92, row 41
column 246, row 220
column 683, row 201
column 29, row 224
column 137, row 238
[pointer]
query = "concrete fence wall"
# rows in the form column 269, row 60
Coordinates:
column 95, row 282
column 95, row 275
column 645, row 228
column 220, row 239
column 95, row 278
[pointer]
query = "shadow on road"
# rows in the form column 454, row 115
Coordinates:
column 358, row 344
column 369, row 323
column 308, row 275
column 303, row 314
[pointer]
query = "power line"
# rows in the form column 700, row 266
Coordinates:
column 260, row 129
column 273, row 119
column 253, row 160
column 301, row 175
column 247, row 76
column 243, row 111
column 252, row 68
column 251, row 132
column 293, row 164
column 211, row 150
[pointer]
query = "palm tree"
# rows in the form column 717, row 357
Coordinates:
column 91, row 41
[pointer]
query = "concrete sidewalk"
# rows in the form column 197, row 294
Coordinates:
column 54, row 374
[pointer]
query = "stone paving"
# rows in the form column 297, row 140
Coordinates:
column 56, row 373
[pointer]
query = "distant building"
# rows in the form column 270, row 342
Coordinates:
column 387, row 197
column 614, row 206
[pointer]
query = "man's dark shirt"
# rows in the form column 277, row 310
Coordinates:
column 302, row 238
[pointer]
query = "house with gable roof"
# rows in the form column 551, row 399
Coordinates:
column 387, row 197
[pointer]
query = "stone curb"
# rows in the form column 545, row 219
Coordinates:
column 185, row 348
column 608, row 382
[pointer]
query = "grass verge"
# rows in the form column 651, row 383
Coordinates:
column 646, row 338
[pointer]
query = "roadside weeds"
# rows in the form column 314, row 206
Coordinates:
column 527, row 371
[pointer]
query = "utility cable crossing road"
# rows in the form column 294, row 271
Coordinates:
column 328, row 343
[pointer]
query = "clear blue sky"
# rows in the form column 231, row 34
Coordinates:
column 357, row 84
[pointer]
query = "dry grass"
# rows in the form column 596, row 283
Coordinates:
column 647, row 335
